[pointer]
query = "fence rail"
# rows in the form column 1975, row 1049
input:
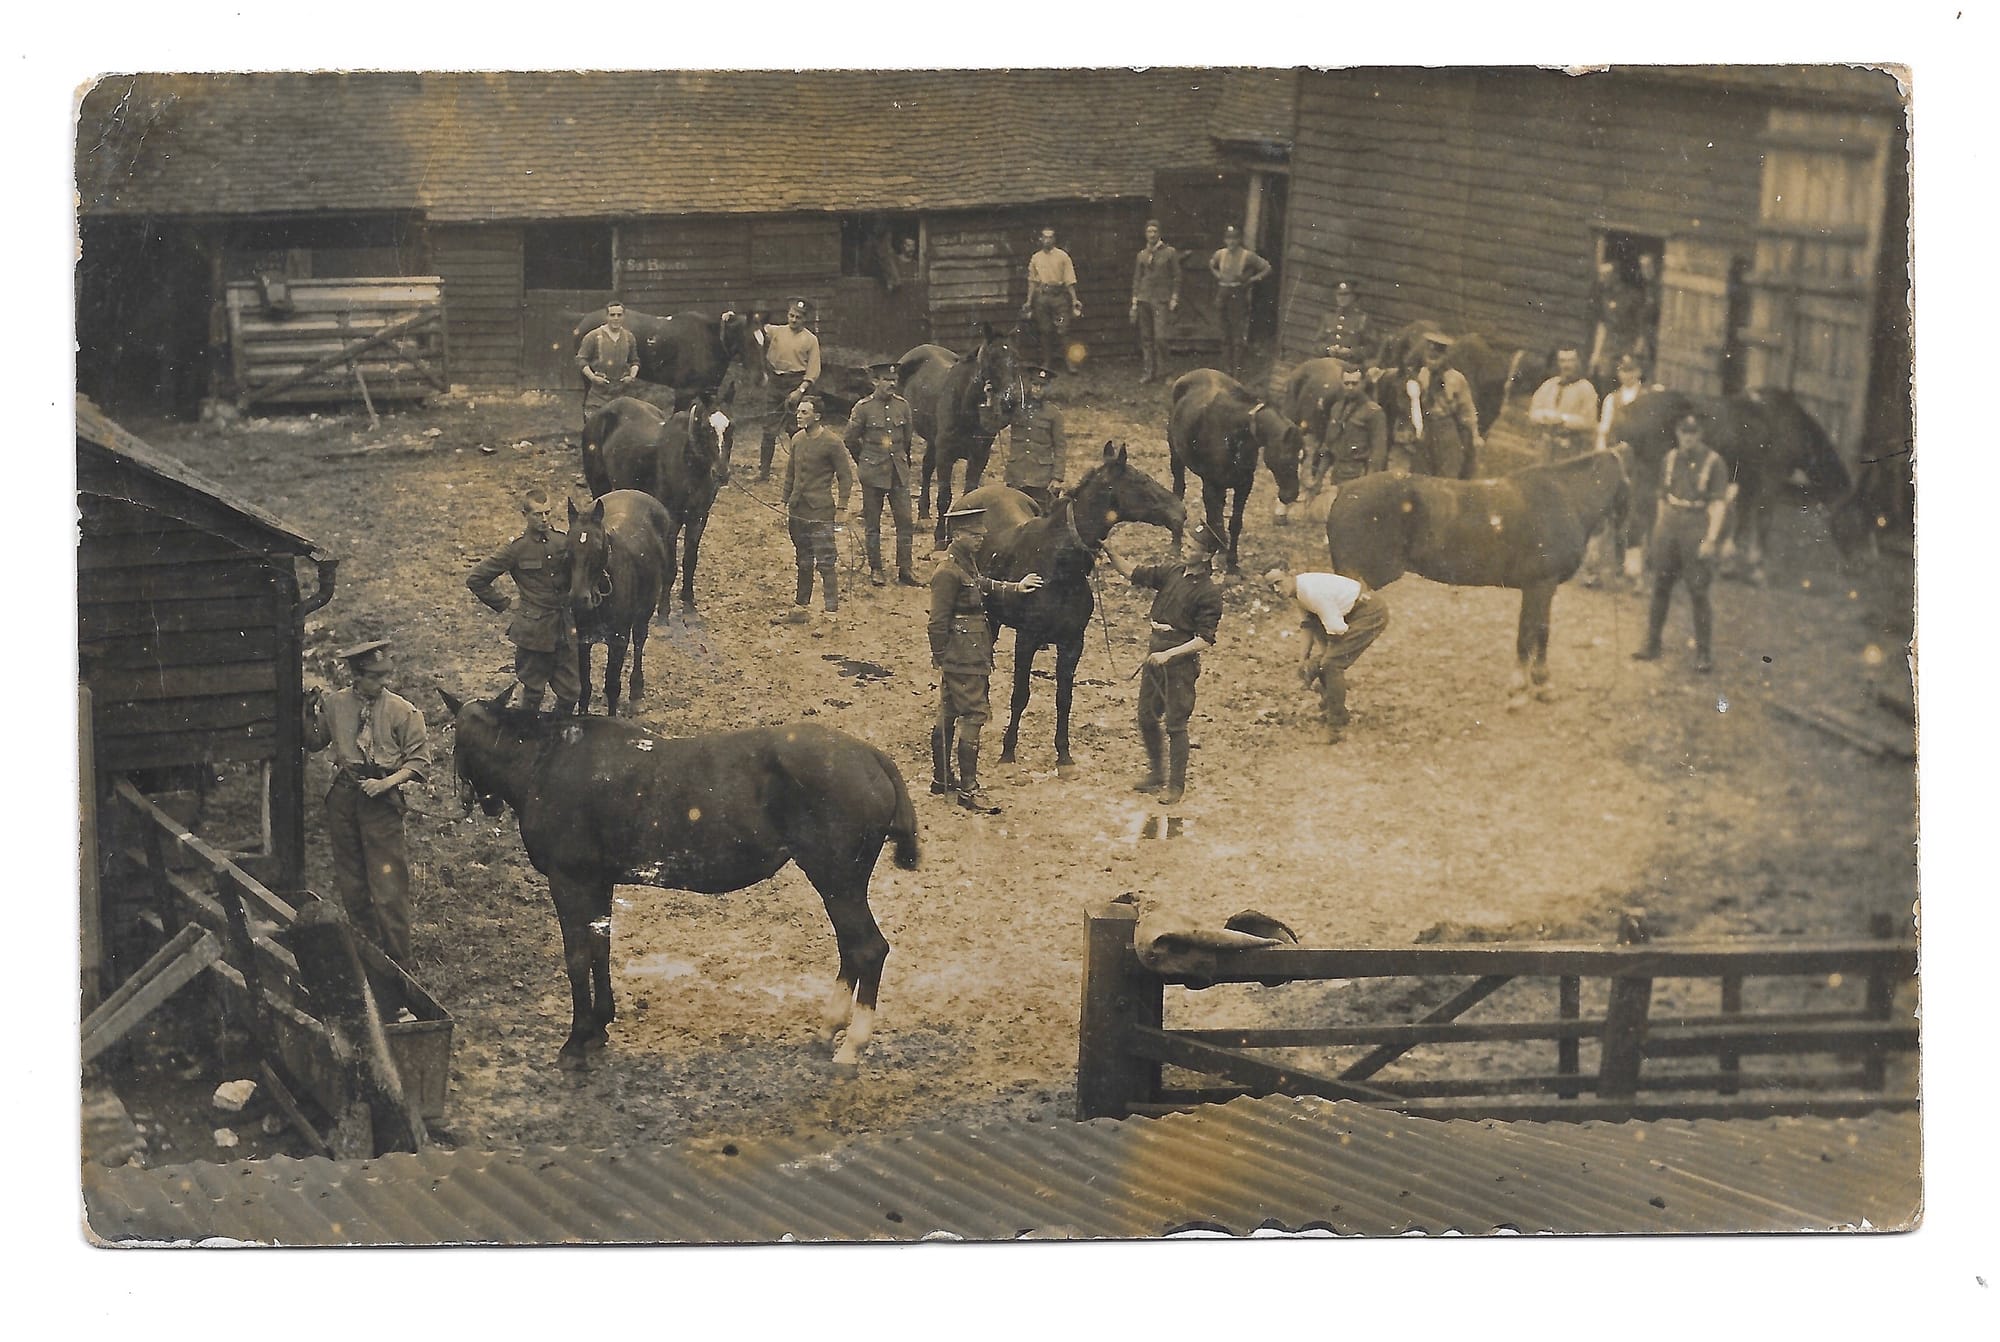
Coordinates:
column 1124, row 1045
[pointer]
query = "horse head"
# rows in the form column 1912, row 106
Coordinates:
column 711, row 440
column 743, row 341
column 1284, row 447
column 995, row 379
column 477, row 749
column 589, row 550
column 1115, row 491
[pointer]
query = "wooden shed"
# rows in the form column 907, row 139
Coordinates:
column 1770, row 204
column 189, row 620
column 535, row 196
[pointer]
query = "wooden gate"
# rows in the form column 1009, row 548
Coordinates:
column 1696, row 342
column 1812, row 288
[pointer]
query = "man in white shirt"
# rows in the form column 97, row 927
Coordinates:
column 792, row 353
column 1564, row 410
column 1052, row 300
column 1340, row 617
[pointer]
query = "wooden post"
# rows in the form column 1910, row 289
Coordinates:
column 330, row 970
column 1881, row 1003
column 1625, row 1020
column 1253, row 212
column 1118, row 992
column 1569, row 1006
column 1727, row 1058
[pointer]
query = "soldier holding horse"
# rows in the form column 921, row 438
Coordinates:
column 962, row 650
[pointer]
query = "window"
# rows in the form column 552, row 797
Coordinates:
column 567, row 256
column 868, row 242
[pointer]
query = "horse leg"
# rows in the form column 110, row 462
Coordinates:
column 1531, row 641
column 842, row 882
column 583, row 676
column 575, row 911
column 691, row 552
column 673, row 539
column 614, row 669
column 603, row 1009
column 1180, row 472
column 1213, row 503
column 943, row 498
column 1068, row 655
column 924, row 484
column 1024, row 668
column 975, row 464
column 638, row 661
column 1236, row 524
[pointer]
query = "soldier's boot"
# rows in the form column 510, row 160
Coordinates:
column 1177, row 760
column 970, row 796
column 904, row 578
column 1704, row 631
column 766, row 449
column 1656, row 623
column 1154, row 738
column 875, row 575
column 942, row 780
column 565, row 707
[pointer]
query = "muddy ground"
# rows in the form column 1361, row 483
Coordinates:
column 1442, row 815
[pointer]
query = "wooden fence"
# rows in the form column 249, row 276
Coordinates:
column 1124, row 1044
column 297, row 341
column 332, row 1017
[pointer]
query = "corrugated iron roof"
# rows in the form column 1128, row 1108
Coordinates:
column 464, row 146
column 1292, row 1164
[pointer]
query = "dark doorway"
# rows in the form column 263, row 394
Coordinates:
column 143, row 316
column 567, row 269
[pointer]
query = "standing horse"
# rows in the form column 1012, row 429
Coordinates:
column 619, row 563
column 602, row 802
column 1527, row 530
column 1215, row 429
column 688, row 351
column 682, row 460
column 1765, row 437
column 1062, row 547
column 958, row 407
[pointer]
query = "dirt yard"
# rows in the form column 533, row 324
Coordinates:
column 1442, row 815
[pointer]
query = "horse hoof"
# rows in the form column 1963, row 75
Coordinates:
column 1545, row 694
column 845, row 1070
column 1006, row 757
column 573, row 1062
column 1065, row 770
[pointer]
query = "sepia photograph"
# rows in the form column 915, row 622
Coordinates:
column 1107, row 652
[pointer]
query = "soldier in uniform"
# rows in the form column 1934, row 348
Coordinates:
column 1687, row 530
column 962, row 650
column 379, row 744
column 1185, row 616
column 1357, row 433
column 542, row 630
column 1156, row 292
column 608, row 357
column 878, row 438
column 792, row 354
column 1344, row 333
column 1035, row 446
column 1451, row 440
column 818, row 461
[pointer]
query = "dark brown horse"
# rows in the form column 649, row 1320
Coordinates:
column 619, row 562
column 688, row 351
column 1527, row 530
column 680, row 459
column 603, row 802
column 1496, row 373
column 958, row 407
column 1062, row 547
column 1216, row 429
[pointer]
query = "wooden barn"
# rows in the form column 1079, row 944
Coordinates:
column 1766, row 207
column 534, row 197
column 189, row 619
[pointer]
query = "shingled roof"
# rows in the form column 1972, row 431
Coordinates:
column 473, row 146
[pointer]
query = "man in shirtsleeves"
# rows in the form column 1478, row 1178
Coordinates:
column 1340, row 617
column 792, row 354
column 1564, row 409
column 1235, row 268
column 1035, row 443
column 379, row 743
column 608, row 358
column 818, row 462
column 1156, row 292
column 1450, row 440
column 961, row 640
column 542, row 630
column 1185, row 616
column 878, row 438
column 1687, row 530
column 1052, row 300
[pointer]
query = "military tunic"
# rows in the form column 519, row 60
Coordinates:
column 371, row 863
column 1035, row 450
column 879, row 438
column 542, row 631
column 1357, row 438
column 1343, row 332
column 961, row 639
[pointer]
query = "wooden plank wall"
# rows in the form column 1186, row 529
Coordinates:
column 1472, row 198
column 481, row 269
column 678, row 265
column 979, row 268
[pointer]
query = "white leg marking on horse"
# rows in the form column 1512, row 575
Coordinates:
column 837, row 1011
column 601, row 926
column 858, row 1031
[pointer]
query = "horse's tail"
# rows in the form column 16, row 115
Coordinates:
column 903, row 826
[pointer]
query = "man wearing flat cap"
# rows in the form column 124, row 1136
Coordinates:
column 1687, row 532
column 1343, row 334
column 379, row 744
column 1035, row 444
column 1185, row 616
column 792, row 354
column 878, row 438
column 961, row 641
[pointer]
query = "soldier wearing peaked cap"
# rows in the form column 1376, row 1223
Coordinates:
column 1343, row 334
column 379, row 743
column 961, row 641
column 1035, row 444
column 1185, row 616
column 878, row 437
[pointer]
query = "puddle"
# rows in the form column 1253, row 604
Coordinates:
column 1162, row 827
column 857, row 669
column 660, row 965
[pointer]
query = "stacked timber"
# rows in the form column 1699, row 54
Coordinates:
column 338, row 339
